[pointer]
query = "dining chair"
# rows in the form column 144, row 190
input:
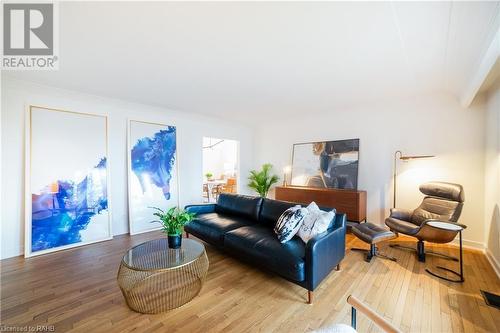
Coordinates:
column 230, row 186
column 216, row 190
column 205, row 193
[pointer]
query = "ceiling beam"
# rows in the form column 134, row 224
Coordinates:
column 486, row 65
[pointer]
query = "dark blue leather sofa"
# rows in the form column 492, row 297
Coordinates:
column 243, row 226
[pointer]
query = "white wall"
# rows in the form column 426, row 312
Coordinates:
column 422, row 125
column 492, row 174
column 214, row 159
column 435, row 125
column 16, row 95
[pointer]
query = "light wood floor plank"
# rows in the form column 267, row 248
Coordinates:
column 76, row 291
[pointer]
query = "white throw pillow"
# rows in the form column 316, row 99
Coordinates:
column 289, row 223
column 315, row 222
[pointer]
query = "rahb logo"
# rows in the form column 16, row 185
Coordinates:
column 30, row 36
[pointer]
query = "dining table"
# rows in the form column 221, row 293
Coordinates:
column 211, row 184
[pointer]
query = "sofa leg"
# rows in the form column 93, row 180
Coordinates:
column 309, row 297
column 337, row 268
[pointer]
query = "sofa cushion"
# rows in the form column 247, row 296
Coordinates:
column 271, row 211
column 258, row 245
column 241, row 205
column 212, row 226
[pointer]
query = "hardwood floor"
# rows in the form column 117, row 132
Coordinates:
column 76, row 291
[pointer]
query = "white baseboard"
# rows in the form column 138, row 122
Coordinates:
column 493, row 261
column 469, row 244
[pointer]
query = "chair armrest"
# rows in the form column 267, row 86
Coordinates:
column 200, row 209
column 372, row 315
column 401, row 214
column 323, row 252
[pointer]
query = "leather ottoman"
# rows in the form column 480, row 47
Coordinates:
column 372, row 234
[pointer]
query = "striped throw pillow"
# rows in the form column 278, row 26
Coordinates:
column 289, row 223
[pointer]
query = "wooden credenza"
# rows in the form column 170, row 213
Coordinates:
column 350, row 202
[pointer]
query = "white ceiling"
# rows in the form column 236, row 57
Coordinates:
column 243, row 60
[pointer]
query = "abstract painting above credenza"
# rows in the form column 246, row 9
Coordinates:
column 326, row 164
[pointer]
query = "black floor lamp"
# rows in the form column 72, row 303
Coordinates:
column 395, row 175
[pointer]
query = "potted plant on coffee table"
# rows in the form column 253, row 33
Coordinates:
column 173, row 222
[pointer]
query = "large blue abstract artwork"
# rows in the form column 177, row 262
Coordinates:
column 65, row 208
column 152, row 172
column 68, row 180
column 153, row 159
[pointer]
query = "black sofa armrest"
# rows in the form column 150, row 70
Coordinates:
column 324, row 252
column 339, row 221
column 200, row 209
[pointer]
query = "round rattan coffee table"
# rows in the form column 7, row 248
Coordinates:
column 154, row 278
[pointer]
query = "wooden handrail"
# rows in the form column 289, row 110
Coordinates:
column 372, row 315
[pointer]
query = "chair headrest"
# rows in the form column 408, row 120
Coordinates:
column 443, row 190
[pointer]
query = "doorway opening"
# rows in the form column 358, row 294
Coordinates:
column 220, row 167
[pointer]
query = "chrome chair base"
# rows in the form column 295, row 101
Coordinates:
column 461, row 277
column 373, row 252
column 421, row 252
column 460, row 273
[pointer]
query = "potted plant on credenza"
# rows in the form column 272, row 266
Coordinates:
column 173, row 222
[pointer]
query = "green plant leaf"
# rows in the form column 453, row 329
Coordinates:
column 172, row 220
column 261, row 181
